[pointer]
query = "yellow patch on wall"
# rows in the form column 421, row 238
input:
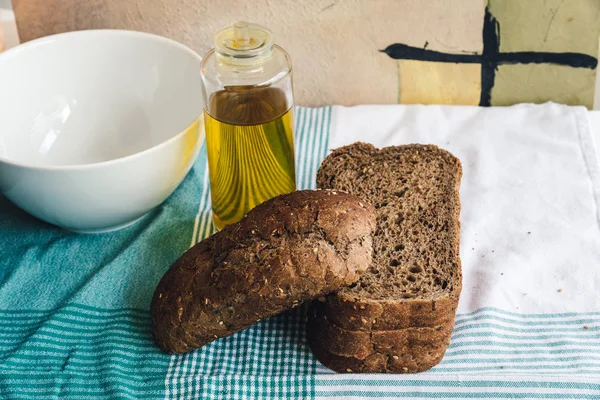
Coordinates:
column 538, row 83
column 548, row 25
column 554, row 26
column 428, row 82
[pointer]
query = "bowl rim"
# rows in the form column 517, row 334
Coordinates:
column 95, row 32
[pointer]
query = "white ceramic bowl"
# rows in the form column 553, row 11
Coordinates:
column 97, row 127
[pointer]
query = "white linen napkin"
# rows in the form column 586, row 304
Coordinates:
column 528, row 322
column 530, row 236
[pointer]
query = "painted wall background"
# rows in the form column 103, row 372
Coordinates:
column 336, row 45
column 549, row 26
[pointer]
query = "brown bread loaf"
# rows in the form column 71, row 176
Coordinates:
column 290, row 249
column 360, row 344
column 394, row 351
column 417, row 358
column 415, row 278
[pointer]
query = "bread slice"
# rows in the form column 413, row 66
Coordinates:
column 362, row 344
column 288, row 250
column 417, row 358
column 414, row 280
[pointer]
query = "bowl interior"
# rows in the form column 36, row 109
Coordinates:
column 93, row 96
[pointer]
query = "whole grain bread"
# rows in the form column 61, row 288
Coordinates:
column 416, row 358
column 415, row 279
column 361, row 344
column 288, row 250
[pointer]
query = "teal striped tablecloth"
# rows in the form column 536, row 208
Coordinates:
column 74, row 321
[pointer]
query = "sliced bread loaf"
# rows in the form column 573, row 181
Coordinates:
column 288, row 250
column 397, row 351
column 361, row 344
column 414, row 280
column 416, row 358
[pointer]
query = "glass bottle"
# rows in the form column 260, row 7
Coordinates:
column 248, row 116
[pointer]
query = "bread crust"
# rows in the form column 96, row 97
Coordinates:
column 290, row 249
column 416, row 358
column 362, row 344
column 366, row 315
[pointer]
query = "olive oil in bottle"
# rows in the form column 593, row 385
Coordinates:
column 248, row 118
column 250, row 147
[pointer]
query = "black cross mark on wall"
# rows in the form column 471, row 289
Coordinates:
column 491, row 57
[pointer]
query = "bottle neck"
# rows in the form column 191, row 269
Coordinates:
column 241, row 60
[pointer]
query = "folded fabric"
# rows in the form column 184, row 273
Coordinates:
column 74, row 319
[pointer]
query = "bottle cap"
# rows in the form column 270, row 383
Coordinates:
column 244, row 43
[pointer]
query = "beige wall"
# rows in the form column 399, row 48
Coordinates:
column 334, row 44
